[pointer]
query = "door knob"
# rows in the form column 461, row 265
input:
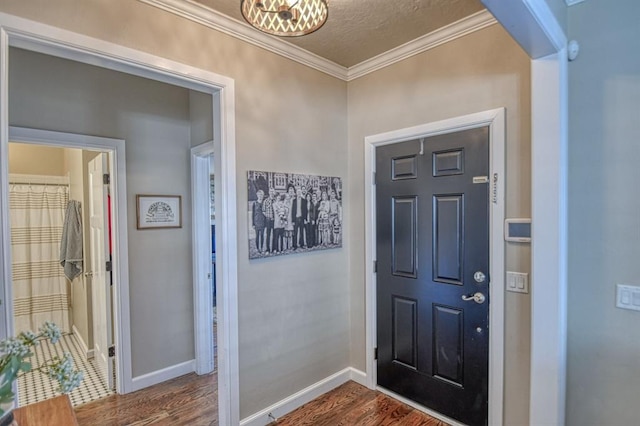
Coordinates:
column 477, row 297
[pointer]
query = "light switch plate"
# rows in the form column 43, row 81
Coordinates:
column 517, row 282
column 628, row 297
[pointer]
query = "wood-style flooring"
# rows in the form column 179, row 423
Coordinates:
column 352, row 404
column 186, row 400
column 192, row 400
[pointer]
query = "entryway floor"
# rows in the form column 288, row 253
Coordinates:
column 36, row 386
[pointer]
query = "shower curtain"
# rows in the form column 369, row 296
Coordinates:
column 39, row 285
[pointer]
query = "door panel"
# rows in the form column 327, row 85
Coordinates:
column 101, row 278
column 404, row 229
column 447, row 336
column 448, row 235
column 448, row 163
column 404, row 168
column 404, row 331
column 433, row 235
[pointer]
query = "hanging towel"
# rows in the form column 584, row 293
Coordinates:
column 71, row 243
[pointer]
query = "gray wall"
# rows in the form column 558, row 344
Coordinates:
column 294, row 311
column 153, row 118
column 201, row 117
column 481, row 71
column 604, row 221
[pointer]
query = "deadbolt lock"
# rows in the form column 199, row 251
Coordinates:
column 479, row 277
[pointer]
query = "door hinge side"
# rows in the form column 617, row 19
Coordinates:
column 112, row 351
column 375, row 353
column 106, row 179
column 108, row 266
column 375, row 266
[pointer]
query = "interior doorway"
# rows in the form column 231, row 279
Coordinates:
column 33, row 36
column 59, row 275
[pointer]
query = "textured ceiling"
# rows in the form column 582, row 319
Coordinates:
column 358, row 30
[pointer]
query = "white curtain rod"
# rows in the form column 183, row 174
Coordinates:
column 25, row 179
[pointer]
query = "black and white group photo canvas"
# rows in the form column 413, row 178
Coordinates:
column 293, row 213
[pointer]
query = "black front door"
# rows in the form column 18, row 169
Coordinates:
column 432, row 201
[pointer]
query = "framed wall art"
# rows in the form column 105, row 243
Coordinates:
column 159, row 211
column 293, row 213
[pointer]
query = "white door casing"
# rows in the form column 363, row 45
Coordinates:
column 100, row 277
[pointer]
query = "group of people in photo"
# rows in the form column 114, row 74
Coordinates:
column 298, row 218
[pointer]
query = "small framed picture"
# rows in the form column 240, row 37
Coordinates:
column 159, row 211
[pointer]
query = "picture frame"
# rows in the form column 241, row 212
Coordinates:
column 158, row 211
column 293, row 213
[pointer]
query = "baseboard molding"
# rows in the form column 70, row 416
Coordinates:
column 88, row 353
column 358, row 376
column 298, row 399
column 163, row 375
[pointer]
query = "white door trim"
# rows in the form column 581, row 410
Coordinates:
column 31, row 35
column 495, row 119
column 202, row 292
column 115, row 149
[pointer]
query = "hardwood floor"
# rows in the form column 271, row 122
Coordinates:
column 352, row 404
column 186, row 400
column 193, row 400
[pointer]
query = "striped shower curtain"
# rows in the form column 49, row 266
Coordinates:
column 39, row 285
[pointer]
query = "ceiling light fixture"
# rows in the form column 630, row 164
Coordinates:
column 285, row 18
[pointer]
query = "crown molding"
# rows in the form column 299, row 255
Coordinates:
column 471, row 23
column 210, row 18
column 200, row 14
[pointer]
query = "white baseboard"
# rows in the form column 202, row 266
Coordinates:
column 298, row 399
column 88, row 353
column 358, row 376
column 163, row 375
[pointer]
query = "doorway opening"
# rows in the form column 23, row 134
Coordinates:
column 61, row 248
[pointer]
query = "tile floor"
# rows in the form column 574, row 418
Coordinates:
column 36, row 386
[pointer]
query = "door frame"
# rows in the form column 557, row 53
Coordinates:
column 495, row 120
column 115, row 149
column 42, row 38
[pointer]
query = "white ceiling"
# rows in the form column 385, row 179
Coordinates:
column 358, row 30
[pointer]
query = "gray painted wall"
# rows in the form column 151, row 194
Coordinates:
column 481, row 71
column 153, row 118
column 604, row 221
column 294, row 326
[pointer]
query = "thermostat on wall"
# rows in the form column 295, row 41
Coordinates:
column 517, row 230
